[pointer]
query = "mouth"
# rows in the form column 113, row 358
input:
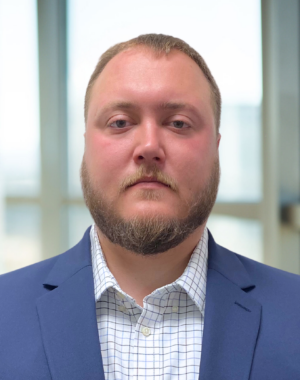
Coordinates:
column 149, row 182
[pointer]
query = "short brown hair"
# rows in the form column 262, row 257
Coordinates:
column 160, row 44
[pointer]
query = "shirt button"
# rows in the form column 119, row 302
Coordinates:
column 175, row 309
column 146, row 331
column 120, row 296
column 122, row 308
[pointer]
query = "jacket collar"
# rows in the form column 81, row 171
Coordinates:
column 228, row 265
column 70, row 262
column 67, row 316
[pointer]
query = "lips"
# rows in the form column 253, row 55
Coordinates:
column 149, row 180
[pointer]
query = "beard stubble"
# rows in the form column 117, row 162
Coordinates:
column 153, row 234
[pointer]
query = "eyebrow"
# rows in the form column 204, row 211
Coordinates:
column 165, row 106
column 118, row 105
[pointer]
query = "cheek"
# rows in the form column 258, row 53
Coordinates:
column 193, row 162
column 104, row 157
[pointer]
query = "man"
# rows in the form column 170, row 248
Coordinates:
column 147, row 293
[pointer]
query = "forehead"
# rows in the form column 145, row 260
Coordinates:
column 140, row 72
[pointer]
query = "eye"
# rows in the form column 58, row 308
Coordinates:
column 179, row 124
column 119, row 124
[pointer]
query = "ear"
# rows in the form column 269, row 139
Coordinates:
column 84, row 137
column 218, row 139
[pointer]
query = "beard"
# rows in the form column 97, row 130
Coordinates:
column 153, row 234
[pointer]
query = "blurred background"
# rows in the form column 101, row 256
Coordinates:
column 48, row 50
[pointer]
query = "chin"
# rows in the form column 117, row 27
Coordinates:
column 149, row 210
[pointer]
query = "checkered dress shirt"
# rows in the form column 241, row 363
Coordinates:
column 161, row 341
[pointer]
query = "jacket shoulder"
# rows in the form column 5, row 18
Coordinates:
column 31, row 279
column 263, row 273
column 27, row 280
column 276, row 289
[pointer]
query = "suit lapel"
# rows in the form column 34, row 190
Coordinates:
column 67, row 317
column 232, row 318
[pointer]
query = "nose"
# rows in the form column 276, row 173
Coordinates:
column 149, row 146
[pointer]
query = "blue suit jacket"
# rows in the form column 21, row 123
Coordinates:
column 48, row 328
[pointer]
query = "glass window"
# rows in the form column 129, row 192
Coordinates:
column 240, row 153
column 243, row 236
column 79, row 219
column 21, row 243
column 19, row 134
column 19, row 107
column 2, row 225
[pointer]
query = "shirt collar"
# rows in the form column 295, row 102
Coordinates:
column 103, row 278
column 193, row 279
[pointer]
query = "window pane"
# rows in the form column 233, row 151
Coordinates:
column 79, row 220
column 226, row 33
column 242, row 236
column 19, row 114
column 21, row 243
column 240, row 153
column 2, row 225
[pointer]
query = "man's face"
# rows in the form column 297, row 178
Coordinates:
column 151, row 146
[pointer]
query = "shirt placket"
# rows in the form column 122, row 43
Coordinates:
column 149, row 344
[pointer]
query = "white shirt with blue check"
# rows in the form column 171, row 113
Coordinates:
column 162, row 340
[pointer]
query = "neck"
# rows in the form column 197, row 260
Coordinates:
column 140, row 275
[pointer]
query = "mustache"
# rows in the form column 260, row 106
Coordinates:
column 149, row 171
